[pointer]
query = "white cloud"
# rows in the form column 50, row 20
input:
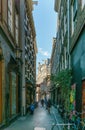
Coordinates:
column 45, row 53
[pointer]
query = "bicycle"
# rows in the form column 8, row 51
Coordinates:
column 83, row 124
column 64, row 126
column 79, row 123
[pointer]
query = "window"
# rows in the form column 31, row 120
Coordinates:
column 16, row 28
column 61, row 12
column 64, row 56
column 0, row 8
column 62, row 36
column 74, row 8
column 62, row 63
column 65, row 24
column 10, row 15
column 60, row 46
column 83, row 3
column 72, row 24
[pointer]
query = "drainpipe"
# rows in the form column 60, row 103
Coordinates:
column 68, row 7
column 69, row 65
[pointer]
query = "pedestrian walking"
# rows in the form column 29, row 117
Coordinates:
column 42, row 102
column 49, row 105
column 32, row 108
column 46, row 102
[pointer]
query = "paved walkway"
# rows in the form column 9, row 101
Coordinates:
column 40, row 118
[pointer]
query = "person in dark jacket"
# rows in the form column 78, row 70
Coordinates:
column 49, row 105
column 42, row 102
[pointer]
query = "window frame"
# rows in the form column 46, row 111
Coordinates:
column 17, row 27
column 10, row 16
column 0, row 9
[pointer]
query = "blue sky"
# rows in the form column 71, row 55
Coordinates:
column 45, row 19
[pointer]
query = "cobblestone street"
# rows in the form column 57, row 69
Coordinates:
column 40, row 118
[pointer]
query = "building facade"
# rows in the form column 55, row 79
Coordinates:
column 61, row 51
column 17, row 58
column 43, row 80
column 54, row 64
column 71, row 38
column 62, row 8
column 77, row 50
column 9, row 61
column 29, row 50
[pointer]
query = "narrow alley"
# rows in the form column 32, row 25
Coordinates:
column 42, row 59
column 41, row 118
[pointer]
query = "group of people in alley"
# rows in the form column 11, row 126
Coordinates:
column 47, row 103
column 43, row 102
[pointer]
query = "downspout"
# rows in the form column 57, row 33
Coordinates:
column 69, row 65
column 68, row 7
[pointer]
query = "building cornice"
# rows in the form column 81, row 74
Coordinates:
column 56, row 5
column 30, row 3
column 35, row 46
